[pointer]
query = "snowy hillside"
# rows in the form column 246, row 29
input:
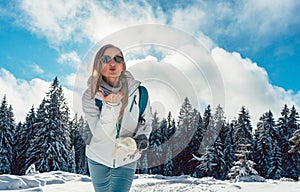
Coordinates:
column 68, row 182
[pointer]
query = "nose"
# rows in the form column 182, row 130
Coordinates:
column 112, row 62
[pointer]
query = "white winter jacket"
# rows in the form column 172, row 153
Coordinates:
column 103, row 124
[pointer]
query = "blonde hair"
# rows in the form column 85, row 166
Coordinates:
column 96, row 77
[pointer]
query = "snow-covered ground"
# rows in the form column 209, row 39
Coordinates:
column 68, row 182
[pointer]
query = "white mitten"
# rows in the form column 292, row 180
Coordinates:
column 125, row 148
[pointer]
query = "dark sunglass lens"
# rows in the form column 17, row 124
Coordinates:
column 118, row 59
column 105, row 59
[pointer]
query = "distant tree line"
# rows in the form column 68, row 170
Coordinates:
column 194, row 144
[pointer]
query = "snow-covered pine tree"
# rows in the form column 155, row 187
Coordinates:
column 243, row 168
column 276, row 171
column 168, row 161
column 12, row 129
column 218, row 131
column 25, row 137
column 264, row 144
column 171, row 126
column 53, row 141
column 154, row 158
column 39, row 142
column 15, row 170
column 184, row 134
column 207, row 116
column 205, row 165
column 194, row 145
column 208, row 137
column 163, row 147
column 211, row 162
column 6, row 137
column 229, row 149
column 282, row 126
column 243, row 131
column 65, row 120
column 293, row 161
column 79, row 145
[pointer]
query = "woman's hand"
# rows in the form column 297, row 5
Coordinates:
column 113, row 98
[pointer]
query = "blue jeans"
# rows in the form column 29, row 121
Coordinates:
column 106, row 179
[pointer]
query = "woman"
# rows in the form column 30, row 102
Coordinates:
column 118, row 135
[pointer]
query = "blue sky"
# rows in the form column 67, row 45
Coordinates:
column 41, row 40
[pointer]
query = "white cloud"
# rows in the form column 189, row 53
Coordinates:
column 190, row 19
column 56, row 20
column 248, row 84
column 258, row 22
column 71, row 59
column 36, row 68
column 61, row 21
column 22, row 94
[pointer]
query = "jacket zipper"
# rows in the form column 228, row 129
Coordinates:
column 118, row 128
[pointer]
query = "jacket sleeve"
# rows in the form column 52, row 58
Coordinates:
column 97, row 120
column 144, row 129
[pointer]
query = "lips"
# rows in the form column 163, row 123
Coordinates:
column 112, row 69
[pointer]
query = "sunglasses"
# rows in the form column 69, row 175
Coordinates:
column 106, row 59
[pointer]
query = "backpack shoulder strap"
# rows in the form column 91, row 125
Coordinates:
column 98, row 103
column 143, row 100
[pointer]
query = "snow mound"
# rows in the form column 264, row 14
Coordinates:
column 174, row 183
column 13, row 182
column 251, row 178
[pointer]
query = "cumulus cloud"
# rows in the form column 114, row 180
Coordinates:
column 55, row 20
column 62, row 21
column 71, row 59
column 22, row 94
column 255, row 23
column 248, row 84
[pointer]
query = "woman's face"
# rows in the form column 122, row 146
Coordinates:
column 111, row 68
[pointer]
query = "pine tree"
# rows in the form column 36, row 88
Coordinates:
column 293, row 161
column 53, row 137
column 283, row 143
column 12, row 129
column 264, row 156
column 186, row 129
column 38, row 144
column 154, row 158
column 6, row 137
column 208, row 130
column 25, row 137
column 229, row 149
column 15, row 170
column 205, row 166
column 168, row 166
column 243, row 131
column 243, row 169
column 79, row 146
column 194, row 145
column 276, row 171
column 212, row 162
